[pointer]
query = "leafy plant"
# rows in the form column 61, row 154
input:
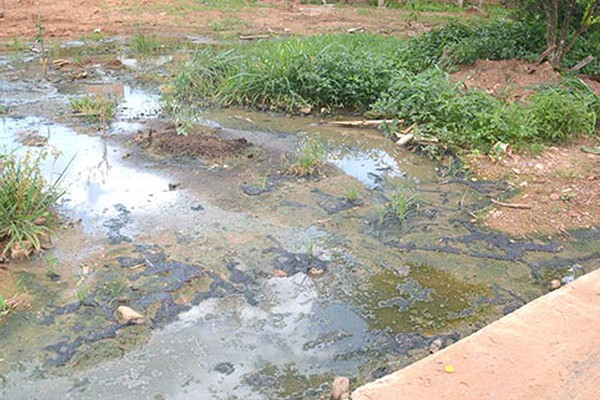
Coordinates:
column 558, row 115
column 26, row 202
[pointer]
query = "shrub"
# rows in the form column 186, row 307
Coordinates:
column 26, row 202
column 558, row 114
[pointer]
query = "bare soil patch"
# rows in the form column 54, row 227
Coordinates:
column 71, row 19
column 562, row 186
column 203, row 142
column 509, row 79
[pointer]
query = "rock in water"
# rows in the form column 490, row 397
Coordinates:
column 435, row 345
column 341, row 388
column 127, row 314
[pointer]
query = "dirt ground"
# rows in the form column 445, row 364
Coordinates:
column 72, row 19
column 562, row 185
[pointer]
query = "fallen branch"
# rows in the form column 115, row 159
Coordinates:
column 581, row 64
column 356, row 30
column 360, row 124
column 254, row 37
column 511, row 205
column 405, row 139
column 545, row 54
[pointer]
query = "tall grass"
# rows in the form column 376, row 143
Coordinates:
column 26, row 202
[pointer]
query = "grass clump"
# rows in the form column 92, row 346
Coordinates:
column 309, row 159
column 94, row 109
column 4, row 308
column 144, row 45
column 26, row 204
column 328, row 70
column 401, row 204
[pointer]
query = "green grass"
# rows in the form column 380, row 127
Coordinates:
column 401, row 204
column 309, row 159
column 27, row 200
column 93, row 108
column 352, row 192
column 4, row 308
column 143, row 46
column 405, row 80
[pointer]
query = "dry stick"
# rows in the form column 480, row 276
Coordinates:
column 581, row 64
column 511, row 205
column 254, row 37
column 370, row 122
column 545, row 54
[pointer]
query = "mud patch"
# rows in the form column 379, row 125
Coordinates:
column 202, row 142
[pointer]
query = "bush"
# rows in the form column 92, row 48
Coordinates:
column 26, row 202
column 558, row 114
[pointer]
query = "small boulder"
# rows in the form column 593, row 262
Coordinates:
column 126, row 314
column 340, row 389
column 435, row 345
column 555, row 284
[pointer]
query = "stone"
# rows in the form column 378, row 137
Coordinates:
column 340, row 388
column 316, row 271
column 554, row 196
column 127, row 314
column 555, row 284
column 435, row 345
column 279, row 273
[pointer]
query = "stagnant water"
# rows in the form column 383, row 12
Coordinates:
column 223, row 277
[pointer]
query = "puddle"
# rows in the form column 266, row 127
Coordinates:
column 96, row 176
column 221, row 348
column 135, row 104
column 369, row 167
column 137, row 64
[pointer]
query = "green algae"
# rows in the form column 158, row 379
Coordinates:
column 428, row 300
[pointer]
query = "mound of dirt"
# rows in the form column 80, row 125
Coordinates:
column 509, row 79
column 203, row 142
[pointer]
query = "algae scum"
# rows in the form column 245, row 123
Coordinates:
column 254, row 284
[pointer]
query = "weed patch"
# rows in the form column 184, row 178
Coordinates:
column 4, row 308
column 144, row 45
column 309, row 159
column 26, row 203
column 94, row 109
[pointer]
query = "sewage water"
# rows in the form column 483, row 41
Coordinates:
column 255, row 297
column 96, row 178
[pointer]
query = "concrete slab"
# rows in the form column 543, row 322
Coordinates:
column 548, row 350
